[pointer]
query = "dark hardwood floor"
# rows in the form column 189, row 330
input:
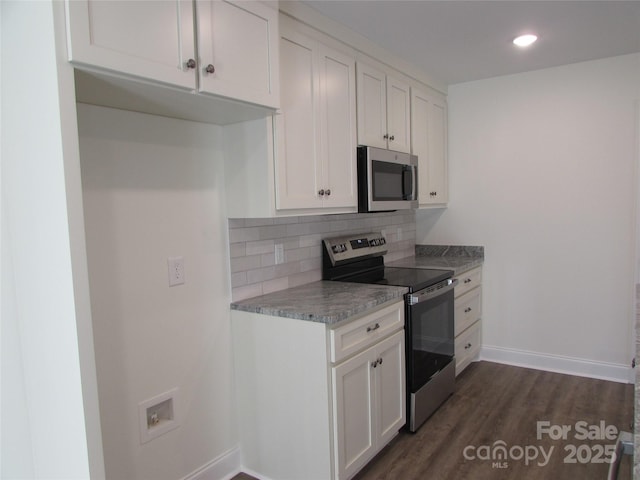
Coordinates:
column 499, row 405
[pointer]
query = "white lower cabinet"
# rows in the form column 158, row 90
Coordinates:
column 468, row 322
column 467, row 346
column 369, row 403
column 302, row 415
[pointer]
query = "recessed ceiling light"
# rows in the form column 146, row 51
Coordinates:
column 525, row 40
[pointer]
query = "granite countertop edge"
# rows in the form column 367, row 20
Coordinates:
column 325, row 302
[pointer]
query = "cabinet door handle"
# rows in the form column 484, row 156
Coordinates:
column 328, row 192
column 375, row 327
column 191, row 63
column 467, row 310
column 380, row 361
column 321, row 192
column 392, row 138
column 210, row 69
column 374, row 364
column 385, row 136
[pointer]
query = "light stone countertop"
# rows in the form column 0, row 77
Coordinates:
column 460, row 259
column 457, row 264
column 324, row 301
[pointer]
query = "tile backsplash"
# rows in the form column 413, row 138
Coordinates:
column 252, row 247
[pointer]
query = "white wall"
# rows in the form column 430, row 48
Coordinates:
column 153, row 188
column 50, row 427
column 542, row 175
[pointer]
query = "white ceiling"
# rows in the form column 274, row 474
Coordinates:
column 460, row 41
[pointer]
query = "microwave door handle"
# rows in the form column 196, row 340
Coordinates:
column 414, row 176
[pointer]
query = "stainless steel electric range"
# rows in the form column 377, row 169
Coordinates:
column 429, row 309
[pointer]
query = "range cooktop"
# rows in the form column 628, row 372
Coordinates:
column 413, row 278
column 359, row 258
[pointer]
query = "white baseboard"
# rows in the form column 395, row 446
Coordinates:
column 224, row 467
column 560, row 364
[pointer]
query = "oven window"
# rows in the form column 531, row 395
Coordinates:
column 431, row 334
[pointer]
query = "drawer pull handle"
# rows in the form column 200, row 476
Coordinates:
column 375, row 327
column 467, row 280
column 467, row 346
column 376, row 363
column 467, row 310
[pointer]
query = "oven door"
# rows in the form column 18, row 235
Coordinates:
column 430, row 333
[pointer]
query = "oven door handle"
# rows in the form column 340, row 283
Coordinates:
column 429, row 293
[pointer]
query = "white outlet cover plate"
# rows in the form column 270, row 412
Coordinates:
column 176, row 270
column 279, row 253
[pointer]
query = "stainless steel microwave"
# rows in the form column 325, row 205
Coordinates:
column 387, row 180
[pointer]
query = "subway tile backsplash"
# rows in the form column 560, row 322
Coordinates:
column 252, row 247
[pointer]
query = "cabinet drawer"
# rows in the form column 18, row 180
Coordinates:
column 468, row 309
column 468, row 281
column 467, row 346
column 365, row 331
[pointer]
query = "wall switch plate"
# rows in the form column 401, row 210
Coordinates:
column 176, row 270
column 279, row 253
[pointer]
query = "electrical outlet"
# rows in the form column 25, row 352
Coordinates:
column 176, row 270
column 279, row 253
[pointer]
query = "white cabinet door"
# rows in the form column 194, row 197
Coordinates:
column 297, row 156
column 372, row 106
column 384, row 110
column 398, row 115
column 238, row 47
column 429, row 143
column 390, row 387
column 366, row 420
column 152, row 40
column 337, row 111
column 316, row 153
column 353, row 407
column 438, row 150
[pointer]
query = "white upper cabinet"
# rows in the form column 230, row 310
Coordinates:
column 429, row 143
column 237, row 43
column 383, row 110
column 235, row 55
column 152, row 40
column 316, row 153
